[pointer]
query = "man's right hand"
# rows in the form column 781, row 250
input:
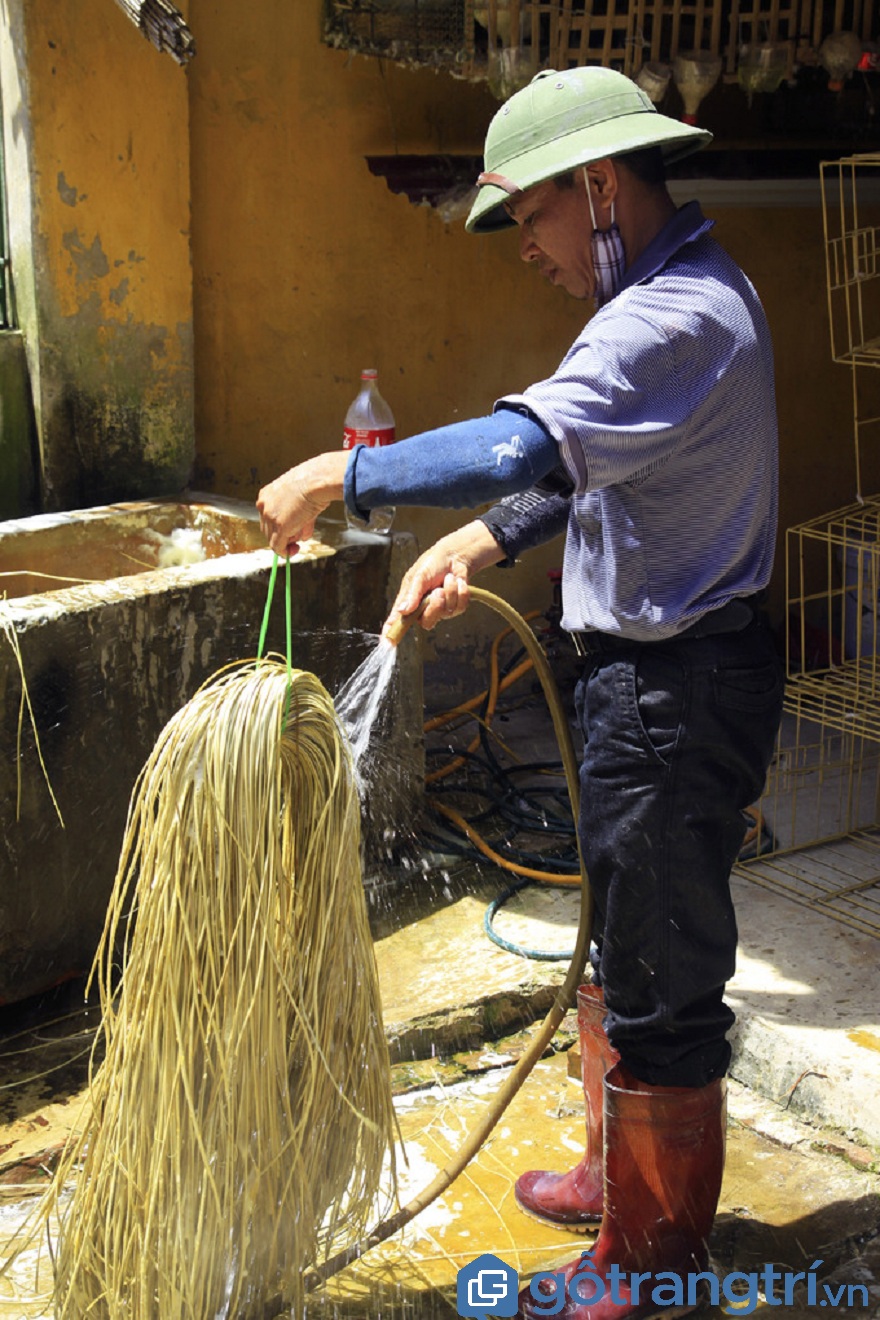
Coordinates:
column 441, row 575
column 291, row 503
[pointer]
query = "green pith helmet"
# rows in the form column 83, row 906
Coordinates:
column 562, row 120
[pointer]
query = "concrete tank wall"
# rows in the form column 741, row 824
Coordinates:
column 107, row 665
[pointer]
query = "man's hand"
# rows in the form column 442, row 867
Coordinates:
column 442, row 575
column 290, row 505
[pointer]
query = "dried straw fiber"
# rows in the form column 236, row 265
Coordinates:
column 242, row 1113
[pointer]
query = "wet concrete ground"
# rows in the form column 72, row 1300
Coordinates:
column 782, row 1202
column 792, row 1194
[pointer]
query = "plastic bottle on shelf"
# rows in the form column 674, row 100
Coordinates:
column 369, row 421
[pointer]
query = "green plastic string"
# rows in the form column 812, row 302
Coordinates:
column 288, row 625
column 267, row 611
column 289, row 630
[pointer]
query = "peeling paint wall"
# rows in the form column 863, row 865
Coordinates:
column 97, row 141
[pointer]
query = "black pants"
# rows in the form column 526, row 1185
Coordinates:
column 678, row 738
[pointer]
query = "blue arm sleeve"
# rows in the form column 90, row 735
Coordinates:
column 458, row 466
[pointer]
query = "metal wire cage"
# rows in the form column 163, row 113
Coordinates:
column 436, row 33
column 851, row 217
column 817, row 838
column 507, row 41
column 469, row 36
column 832, row 597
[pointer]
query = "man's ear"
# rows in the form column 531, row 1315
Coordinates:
column 602, row 176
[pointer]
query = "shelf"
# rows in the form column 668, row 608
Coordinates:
column 430, row 179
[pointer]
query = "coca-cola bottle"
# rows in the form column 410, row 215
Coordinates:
column 369, row 421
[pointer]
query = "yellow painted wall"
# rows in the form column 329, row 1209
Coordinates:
column 98, row 175
column 307, row 267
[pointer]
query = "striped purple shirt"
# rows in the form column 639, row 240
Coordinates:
column 665, row 415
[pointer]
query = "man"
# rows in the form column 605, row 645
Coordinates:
column 653, row 446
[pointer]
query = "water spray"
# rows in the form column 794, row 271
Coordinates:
column 565, row 996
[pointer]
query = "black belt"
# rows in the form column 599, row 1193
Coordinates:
column 732, row 617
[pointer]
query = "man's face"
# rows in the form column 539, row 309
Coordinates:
column 555, row 230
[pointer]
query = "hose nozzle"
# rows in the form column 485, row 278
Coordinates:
column 396, row 631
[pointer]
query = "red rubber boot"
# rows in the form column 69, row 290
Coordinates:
column 573, row 1200
column 664, row 1160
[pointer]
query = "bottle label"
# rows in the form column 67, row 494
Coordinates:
column 373, row 439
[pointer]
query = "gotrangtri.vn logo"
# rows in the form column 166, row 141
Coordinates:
column 487, row 1286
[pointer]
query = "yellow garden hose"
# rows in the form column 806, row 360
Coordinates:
column 528, row 872
column 491, row 694
column 438, row 721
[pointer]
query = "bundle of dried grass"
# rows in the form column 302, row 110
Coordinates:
column 242, row 1113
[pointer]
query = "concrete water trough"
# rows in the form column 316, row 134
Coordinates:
column 119, row 614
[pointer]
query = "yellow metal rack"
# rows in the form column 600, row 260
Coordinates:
column 818, row 835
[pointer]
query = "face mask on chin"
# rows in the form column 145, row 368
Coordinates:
column 609, row 257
